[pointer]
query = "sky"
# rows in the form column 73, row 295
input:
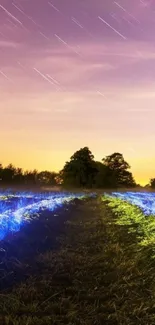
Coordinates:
column 76, row 73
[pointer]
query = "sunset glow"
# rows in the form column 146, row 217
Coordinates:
column 70, row 79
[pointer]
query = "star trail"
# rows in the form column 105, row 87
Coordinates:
column 76, row 73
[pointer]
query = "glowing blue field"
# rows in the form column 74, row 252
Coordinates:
column 19, row 208
column 144, row 200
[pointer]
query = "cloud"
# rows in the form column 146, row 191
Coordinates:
column 8, row 44
column 100, row 66
column 67, row 70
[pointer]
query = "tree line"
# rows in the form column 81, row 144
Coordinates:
column 81, row 171
column 16, row 176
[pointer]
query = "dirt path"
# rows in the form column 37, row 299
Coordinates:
column 97, row 276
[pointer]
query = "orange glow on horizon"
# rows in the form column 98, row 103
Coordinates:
column 54, row 161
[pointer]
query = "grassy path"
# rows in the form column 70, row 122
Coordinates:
column 97, row 276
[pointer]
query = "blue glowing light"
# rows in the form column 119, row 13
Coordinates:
column 144, row 200
column 17, row 209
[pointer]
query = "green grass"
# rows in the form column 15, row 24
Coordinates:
column 100, row 275
column 132, row 216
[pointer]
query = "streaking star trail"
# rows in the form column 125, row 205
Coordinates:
column 114, row 29
column 74, row 72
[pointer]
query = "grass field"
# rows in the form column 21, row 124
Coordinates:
column 86, row 262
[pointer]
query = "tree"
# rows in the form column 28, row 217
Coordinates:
column 103, row 177
column 8, row 174
column 152, row 182
column 18, row 176
column 127, row 179
column 59, row 179
column 30, row 177
column 81, row 170
column 116, row 162
column 119, row 170
column 47, row 178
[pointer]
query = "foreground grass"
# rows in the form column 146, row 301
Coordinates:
column 132, row 216
column 100, row 275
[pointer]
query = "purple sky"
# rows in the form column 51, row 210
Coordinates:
column 77, row 73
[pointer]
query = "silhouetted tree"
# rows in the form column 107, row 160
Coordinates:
column 30, row 177
column 59, row 179
column 152, row 183
column 81, row 170
column 47, row 178
column 104, row 177
column 8, row 174
column 18, row 176
column 119, row 170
